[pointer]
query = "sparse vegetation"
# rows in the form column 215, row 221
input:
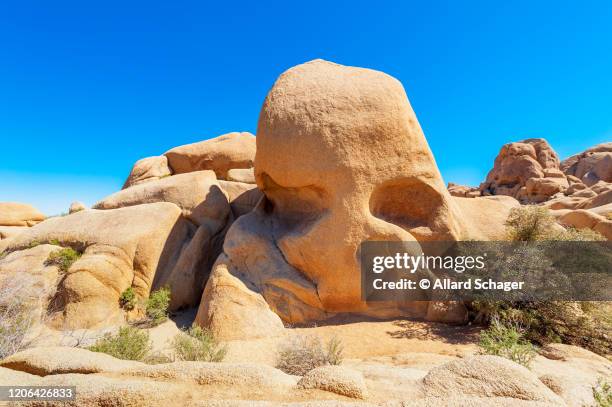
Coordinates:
column 19, row 298
column 197, row 344
column 127, row 300
column 157, row 306
column 303, row 353
column 530, row 223
column 3, row 254
column 507, row 341
column 63, row 258
column 602, row 394
column 129, row 343
column 544, row 322
column 609, row 215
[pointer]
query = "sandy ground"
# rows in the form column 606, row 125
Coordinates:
column 398, row 342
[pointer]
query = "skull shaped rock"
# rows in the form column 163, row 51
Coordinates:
column 341, row 159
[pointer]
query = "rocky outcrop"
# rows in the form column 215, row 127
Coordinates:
column 220, row 154
column 592, row 165
column 527, row 170
column 326, row 189
column 141, row 246
column 19, row 214
column 487, row 377
column 148, row 169
column 198, row 194
column 463, row 191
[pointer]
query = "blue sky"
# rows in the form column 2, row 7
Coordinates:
column 87, row 88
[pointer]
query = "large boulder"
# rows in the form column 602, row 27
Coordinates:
column 19, row 214
column 220, row 154
column 527, row 170
column 148, row 169
column 487, row 377
column 592, row 165
column 198, row 194
column 341, row 159
column 335, row 379
column 138, row 246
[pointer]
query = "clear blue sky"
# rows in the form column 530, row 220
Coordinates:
column 89, row 87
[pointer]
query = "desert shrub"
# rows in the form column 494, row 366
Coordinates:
column 507, row 341
column 544, row 322
column 197, row 344
column 63, row 258
column 335, row 351
column 127, row 300
column 129, row 344
column 19, row 298
column 157, row 306
column 580, row 235
column 3, row 254
column 302, row 353
column 530, row 223
column 602, row 394
column 156, row 358
column 609, row 215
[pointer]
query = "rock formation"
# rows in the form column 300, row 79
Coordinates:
column 16, row 217
column 592, row 165
column 361, row 171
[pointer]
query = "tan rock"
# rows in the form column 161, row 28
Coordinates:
column 243, row 197
column 220, row 154
column 198, row 194
column 462, row 190
column 487, row 376
column 8, row 231
column 246, row 175
column 592, row 165
column 232, row 310
column 125, row 247
column 581, row 219
column 541, row 189
column 76, row 206
column 335, row 379
column 330, row 184
column 43, row 361
column 19, row 214
column 604, row 228
column 148, row 169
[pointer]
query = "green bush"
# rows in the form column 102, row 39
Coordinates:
column 127, row 300
column 63, row 258
column 129, row 344
column 198, row 344
column 303, row 353
column 602, row 393
column 507, row 341
column 157, row 306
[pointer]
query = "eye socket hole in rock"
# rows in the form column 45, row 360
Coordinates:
column 409, row 203
column 294, row 206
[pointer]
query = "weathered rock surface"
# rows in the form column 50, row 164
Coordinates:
column 246, row 175
column 330, row 184
column 137, row 246
column 592, row 165
column 8, row 231
column 43, row 361
column 243, row 197
column 335, row 379
column 463, row 191
column 487, row 376
column 198, row 194
column 527, row 170
column 220, row 154
column 148, row 169
column 19, row 214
